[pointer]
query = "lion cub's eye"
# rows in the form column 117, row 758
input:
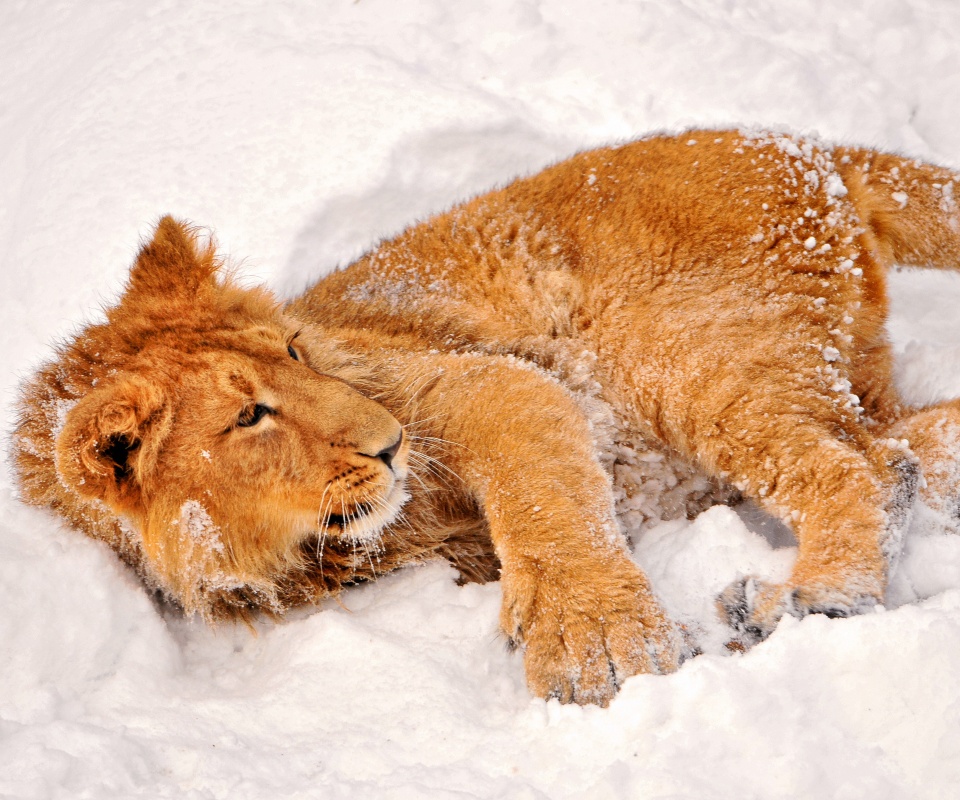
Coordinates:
column 292, row 352
column 252, row 415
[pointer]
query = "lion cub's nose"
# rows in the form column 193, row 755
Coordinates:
column 386, row 455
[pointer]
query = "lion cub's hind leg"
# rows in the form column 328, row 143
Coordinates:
column 934, row 436
column 846, row 496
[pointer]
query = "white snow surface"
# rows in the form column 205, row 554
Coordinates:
column 302, row 131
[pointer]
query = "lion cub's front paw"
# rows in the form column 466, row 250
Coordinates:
column 581, row 641
column 753, row 607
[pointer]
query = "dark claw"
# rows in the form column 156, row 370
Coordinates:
column 833, row 612
column 735, row 608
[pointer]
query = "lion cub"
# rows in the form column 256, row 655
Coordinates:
column 469, row 389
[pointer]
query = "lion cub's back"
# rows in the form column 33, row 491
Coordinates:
column 544, row 256
column 684, row 203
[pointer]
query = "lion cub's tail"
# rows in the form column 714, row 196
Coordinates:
column 909, row 205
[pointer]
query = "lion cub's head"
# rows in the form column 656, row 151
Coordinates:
column 207, row 437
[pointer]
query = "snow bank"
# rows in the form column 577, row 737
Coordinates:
column 302, row 132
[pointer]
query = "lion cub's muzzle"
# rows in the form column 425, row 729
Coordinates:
column 367, row 487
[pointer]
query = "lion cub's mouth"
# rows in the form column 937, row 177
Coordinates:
column 366, row 520
column 340, row 521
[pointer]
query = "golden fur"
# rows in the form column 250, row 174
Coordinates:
column 711, row 306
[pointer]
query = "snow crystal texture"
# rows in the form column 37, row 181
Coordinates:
column 305, row 131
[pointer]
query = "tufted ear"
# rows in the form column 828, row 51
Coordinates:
column 173, row 262
column 110, row 441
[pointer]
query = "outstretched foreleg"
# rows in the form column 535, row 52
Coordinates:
column 583, row 613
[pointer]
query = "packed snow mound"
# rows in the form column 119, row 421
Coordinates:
column 304, row 132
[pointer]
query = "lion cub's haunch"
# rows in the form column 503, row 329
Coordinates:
column 629, row 335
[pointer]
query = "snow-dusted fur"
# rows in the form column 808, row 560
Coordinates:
column 630, row 335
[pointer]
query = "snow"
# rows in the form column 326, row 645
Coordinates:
column 302, row 132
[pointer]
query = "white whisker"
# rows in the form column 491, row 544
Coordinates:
column 433, row 465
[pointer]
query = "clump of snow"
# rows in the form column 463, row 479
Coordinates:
column 304, row 132
column 197, row 526
column 947, row 202
column 835, row 187
column 830, row 354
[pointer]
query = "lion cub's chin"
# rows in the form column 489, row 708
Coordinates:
column 370, row 525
